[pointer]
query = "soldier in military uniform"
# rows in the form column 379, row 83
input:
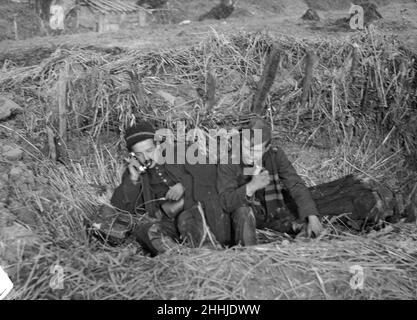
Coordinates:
column 256, row 200
column 274, row 196
column 189, row 188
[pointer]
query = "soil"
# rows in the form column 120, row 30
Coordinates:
column 277, row 18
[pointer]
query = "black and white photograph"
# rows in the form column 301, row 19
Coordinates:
column 221, row 154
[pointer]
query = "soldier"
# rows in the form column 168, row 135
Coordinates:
column 275, row 196
column 173, row 196
column 256, row 201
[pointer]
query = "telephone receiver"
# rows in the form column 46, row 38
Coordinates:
column 143, row 167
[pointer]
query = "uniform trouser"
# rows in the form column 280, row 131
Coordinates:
column 346, row 195
column 245, row 221
column 157, row 237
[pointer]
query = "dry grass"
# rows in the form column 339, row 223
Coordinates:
column 336, row 128
column 281, row 269
column 345, row 4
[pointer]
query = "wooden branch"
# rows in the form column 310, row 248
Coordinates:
column 15, row 28
column 77, row 21
column 355, row 64
column 310, row 60
column 51, row 143
column 62, row 104
column 210, row 91
column 136, row 87
column 266, row 81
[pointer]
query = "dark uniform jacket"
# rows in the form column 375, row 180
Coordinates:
column 231, row 185
column 199, row 182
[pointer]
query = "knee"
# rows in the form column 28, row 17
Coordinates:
column 184, row 222
column 243, row 214
column 244, row 226
column 190, row 226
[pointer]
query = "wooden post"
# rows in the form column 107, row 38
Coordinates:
column 100, row 26
column 62, row 103
column 210, row 92
column 354, row 73
column 310, row 60
column 266, row 81
column 142, row 18
column 51, row 143
column 15, row 27
column 77, row 17
column 137, row 89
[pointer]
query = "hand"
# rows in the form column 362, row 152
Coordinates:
column 134, row 171
column 175, row 192
column 314, row 226
column 259, row 181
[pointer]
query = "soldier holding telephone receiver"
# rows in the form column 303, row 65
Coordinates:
column 169, row 194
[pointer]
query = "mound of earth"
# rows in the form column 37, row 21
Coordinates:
column 370, row 12
column 310, row 15
column 327, row 5
column 223, row 10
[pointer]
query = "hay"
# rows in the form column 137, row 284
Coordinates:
column 272, row 271
column 282, row 269
column 375, row 93
column 367, row 126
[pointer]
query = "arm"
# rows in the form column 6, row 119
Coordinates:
column 232, row 196
column 295, row 185
column 126, row 194
column 180, row 174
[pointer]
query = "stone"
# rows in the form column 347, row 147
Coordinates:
column 13, row 239
column 15, row 173
column 20, row 174
column 23, row 213
column 6, row 217
column 311, row 15
column 167, row 96
column 8, row 108
column 13, row 154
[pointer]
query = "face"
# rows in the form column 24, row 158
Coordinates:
column 146, row 150
column 251, row 154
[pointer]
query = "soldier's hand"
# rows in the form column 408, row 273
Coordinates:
column 258, row 182
column 175, row 192
column 134, row 171
column 314, row 226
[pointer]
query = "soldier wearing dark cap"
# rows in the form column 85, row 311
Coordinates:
column 256, row 200
column 175, row 196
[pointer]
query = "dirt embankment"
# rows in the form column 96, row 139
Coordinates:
column 278, row 17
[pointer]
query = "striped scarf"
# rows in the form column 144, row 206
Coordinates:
column 274, row 200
